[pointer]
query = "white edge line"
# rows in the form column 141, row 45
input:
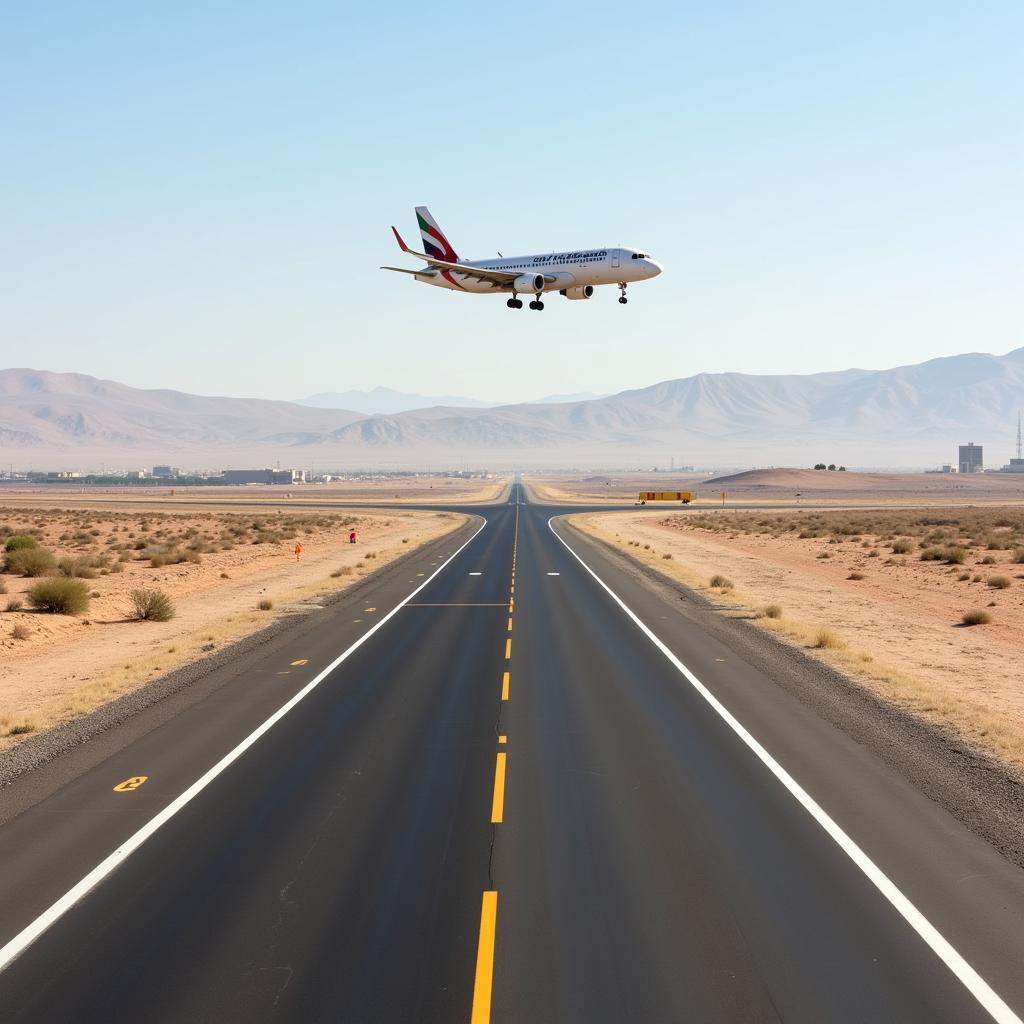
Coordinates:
column 968, row 976
column 16, row 946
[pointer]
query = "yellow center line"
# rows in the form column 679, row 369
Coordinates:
column 485, row 959
column 503, row 739
column 510, row 624
column 508, row 648
column 498, row 803
column 505, row 677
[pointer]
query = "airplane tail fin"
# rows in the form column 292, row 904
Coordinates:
column 434, row 242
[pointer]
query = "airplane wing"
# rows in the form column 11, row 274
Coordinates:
column 484, row 274
column 405, row 270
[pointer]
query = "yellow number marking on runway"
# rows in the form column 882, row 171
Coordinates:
column 129, row 785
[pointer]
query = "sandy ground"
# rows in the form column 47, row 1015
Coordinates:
column 412, row 490
column 788, row 487
column 602, row 489
column 68, row 665
column 897, row 630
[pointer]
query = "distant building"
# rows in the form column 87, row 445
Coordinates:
column 1016, row 465
column 971, row 458
column 166, row 472
column 264, row 476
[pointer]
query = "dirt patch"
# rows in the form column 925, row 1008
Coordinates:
column 217, row 569
column 832, row 585
column 786, row 487
column 371, row 489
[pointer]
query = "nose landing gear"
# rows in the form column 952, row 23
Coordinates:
column 622, row 288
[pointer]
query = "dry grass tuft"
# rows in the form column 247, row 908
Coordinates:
column 151, row 606
column 30, row 562
column 17, row 726
column 976, row 618
column 61, row 596
column 827, row 639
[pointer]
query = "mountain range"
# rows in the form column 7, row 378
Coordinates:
column 387, row 401
column 907, row 416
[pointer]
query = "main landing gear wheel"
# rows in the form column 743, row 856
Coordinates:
column 536, row 304
column 514, row 303
column 622, row 297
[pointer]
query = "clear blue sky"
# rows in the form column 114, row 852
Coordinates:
column 198, row 195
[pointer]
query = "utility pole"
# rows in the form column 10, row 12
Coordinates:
column 1018, row 434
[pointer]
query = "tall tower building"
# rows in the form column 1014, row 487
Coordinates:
column 971, row 458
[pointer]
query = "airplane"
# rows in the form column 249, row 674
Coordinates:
column 573, row 274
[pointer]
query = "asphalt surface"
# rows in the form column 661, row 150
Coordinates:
column 420, row 838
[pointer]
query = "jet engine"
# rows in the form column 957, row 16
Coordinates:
column 579, row 292
column 529, row 283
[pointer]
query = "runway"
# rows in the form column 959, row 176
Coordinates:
column 506, row 783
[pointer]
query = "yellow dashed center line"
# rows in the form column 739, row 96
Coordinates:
column 484, row 979
column 485, row 959
column 498, row 803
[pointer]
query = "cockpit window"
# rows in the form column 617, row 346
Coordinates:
column 640, row 256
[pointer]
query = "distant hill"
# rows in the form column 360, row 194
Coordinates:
column 907, row 416
column 387, row 401
column 73, row 415
column 578, row 396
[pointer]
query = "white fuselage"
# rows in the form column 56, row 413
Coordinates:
column 561, row 270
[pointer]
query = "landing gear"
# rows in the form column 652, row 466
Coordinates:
column 537, row 304
column 622, row 297
column 514, row 303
